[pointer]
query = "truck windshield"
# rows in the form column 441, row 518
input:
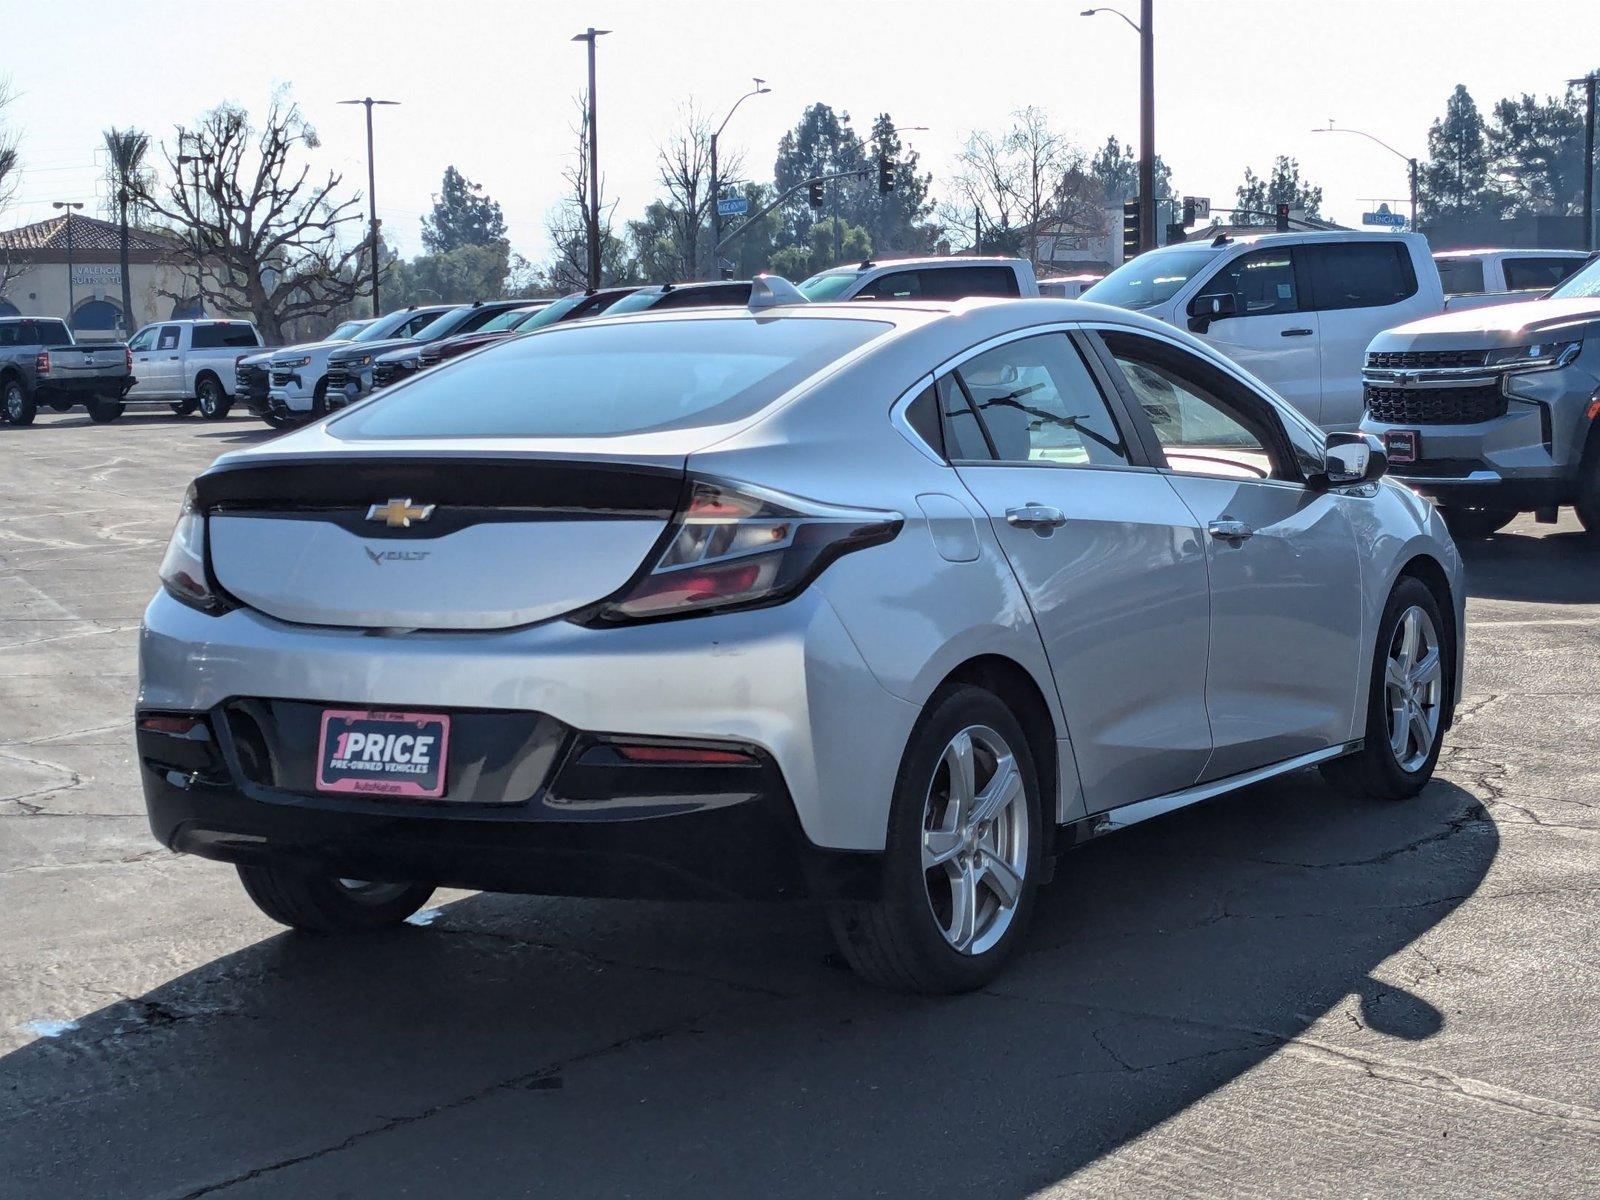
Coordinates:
column 1150, row 279
column 1582, row 286
column 829, row 285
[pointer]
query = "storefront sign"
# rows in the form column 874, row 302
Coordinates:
column 96, row 275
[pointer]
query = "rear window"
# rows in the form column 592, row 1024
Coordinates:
column 1526, row 274
column 606, row 381
column 1359, row 274
column 212, row 337
column 1460, row 276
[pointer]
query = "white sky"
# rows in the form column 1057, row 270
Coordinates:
column 487, row 85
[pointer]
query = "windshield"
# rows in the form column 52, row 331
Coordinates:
column 584, row 380
column 346, row 331
column 637, row 302
column 506, row 320
column 444, row 324
column 829, row 285
column 1150, row 279
column 550, row 313
column 1582, row 286
column 382, row 330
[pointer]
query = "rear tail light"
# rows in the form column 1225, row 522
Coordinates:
column 738, row 546
column 183, row 725
column 183, row 567
column 127, row 357
column 41, row 362
column 683, row 755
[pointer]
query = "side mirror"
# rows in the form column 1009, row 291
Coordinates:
column 1205, row 309
column 1349, row 459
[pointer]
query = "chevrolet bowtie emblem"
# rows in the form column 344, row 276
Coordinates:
column 398, row 514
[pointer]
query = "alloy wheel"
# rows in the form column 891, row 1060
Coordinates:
column 1413, row 687
column 975, row 840
column 14, row 400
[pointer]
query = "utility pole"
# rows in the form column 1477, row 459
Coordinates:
column 591, row 35
column 1588, row 82
column 72, row 297
column 195, row 160
column 760, row 89
column 1412, row 169
column 372, row 196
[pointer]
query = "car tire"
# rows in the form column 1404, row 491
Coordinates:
column 183, row 408
column 17, row 405
column 948, row 869
column 1386, row 767
column 1587, row 501
column 279, row 420
column 214, row 403
column 103, row 412
column 1471, row 524
column 327, row 905
column 319, row 400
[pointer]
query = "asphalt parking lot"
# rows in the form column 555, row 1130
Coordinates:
column 1280, row 992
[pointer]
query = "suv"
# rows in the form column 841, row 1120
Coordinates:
column 923, row 279
column 1495, row 411
column 253, row 373
column 305, row 383
column 406, row 359
column 40, row 363
column 189, row 365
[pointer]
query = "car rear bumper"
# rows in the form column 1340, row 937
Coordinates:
column 590, row 824
column 82, row 387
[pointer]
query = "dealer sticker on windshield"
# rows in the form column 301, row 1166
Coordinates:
column 383, row 753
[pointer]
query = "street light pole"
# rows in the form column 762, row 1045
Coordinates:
column 194, row 160
column 1409, row 160
column 72, row 297
column 760, row 89
column 372, row 196
column 591, row 35
column 1147, row 115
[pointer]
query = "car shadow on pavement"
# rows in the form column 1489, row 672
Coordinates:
column 1558, row 568
column 561, row 1047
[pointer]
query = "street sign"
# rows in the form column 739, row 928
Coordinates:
column 1390, row 220
column 1202, row 206
column 732, row 206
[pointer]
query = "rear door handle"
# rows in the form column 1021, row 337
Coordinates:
column 1294, row 333
column 1036, row 516
column 1229, row 530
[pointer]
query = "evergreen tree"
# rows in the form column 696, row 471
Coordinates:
column 462, row 216
column 1282, row 186
column 1454, row 181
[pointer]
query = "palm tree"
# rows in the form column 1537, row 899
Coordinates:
column 126, row 149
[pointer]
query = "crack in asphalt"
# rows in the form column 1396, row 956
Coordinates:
column 537, row 1079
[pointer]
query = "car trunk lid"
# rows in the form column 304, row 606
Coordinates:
column 436, row 542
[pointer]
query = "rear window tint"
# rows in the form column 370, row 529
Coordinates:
column 1526, row 274
column 212, row 337
column 605, row 381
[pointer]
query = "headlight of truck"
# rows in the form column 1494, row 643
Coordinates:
column 363, row 360
column 1538, row 356
column 295, row 362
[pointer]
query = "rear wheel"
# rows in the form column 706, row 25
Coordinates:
column 213, row 401
column 324, row 904
column 961, row 861
column 1406, row 702
column 103, row 412
column 1471, row 523
column 1588, row 499
column 184, row 407
column 18, row 406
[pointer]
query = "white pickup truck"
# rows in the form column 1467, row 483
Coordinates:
column 931, row 278
column 1297, row 310
column 189, row 365
column 1481, row 278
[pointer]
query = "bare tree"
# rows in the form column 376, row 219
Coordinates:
column 10, row 173
column 567, row 224
column 128, row 177
column 684, row 162
column 265, row 235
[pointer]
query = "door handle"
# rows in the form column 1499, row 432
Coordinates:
column 172, row 358
column 1294, row 333
column 1036, row 516
column 1229, row 530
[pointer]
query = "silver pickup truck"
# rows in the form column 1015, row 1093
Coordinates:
column 41, row 363
column 191, row 364
column 1495, row 411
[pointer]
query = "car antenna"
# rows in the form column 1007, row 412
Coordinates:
column 666, row 287
column 866, row 265
column 1221, row 239
column 769, row 291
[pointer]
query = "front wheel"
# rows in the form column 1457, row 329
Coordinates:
column 18, row 406
column 213, row 401
column 1587, row 503
column 103, row 412
column 1406, row 702
column 325, row 904
column 1470, row 524
column 961, row 861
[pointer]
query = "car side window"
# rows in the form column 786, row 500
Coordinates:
column 1460, row 276
column 1261, row 283
column 953, row 283
column 143, row 339
column 416, row 323
column 8, row 334
column 1038, row 403
column 169, row 337
column 899, row 285
column 1206, row 422
column 963, row 435
column 1359, row 274
column 1526, row 274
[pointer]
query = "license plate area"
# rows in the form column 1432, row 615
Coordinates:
column 1402, row 445
column 375, row 752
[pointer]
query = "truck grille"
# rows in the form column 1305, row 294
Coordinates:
column 338, row 376
column 250, row 381
column 1435, row 406
column 1425, row 360
column 281, row 378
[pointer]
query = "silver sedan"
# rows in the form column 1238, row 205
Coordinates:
column 883, row 606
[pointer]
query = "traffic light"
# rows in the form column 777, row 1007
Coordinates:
column 1130, row 230
column 1283, row 218
column 1188, row 211
column 885, row 175
column 816, row 193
